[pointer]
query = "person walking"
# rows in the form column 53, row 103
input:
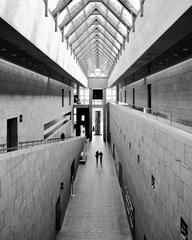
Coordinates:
column 97, row 156
column 101, row 157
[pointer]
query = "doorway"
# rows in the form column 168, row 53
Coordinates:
column 149, row 97
column 72, row 177
column 58, row 214
column 73, row 171
column 113, row 151
column 120, row 175
column 12, row 134
column 133, row 97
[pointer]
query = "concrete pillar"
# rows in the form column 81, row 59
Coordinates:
column 97, row 122
column 90, row 113
column 108, row 123
column 104, row 115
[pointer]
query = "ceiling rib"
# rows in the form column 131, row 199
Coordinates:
column 95, row 31
column 100, row 39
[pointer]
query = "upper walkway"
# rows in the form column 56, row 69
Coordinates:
column 97, row 211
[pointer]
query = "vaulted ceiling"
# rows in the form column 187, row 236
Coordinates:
column 95, row 30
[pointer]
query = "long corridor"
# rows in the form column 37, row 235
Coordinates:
column 96, row 212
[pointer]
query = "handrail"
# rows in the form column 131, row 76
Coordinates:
column 28, row 144
column 166, row 117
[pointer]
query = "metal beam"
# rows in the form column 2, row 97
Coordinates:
column 66, row 22
column 92, row 25
column 61, row 7
column 90, row 61
column 100, row 39
column 100, row 48
column 93, row 52
column 82, row 41
column 91, row 14
column 105, row 29
column 103, row 49
column 87, row 64
column 105, row 37
column 129, row 7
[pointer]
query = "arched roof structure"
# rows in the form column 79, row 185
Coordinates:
column 95, row 30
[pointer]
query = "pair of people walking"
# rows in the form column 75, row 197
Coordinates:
column 97, row 155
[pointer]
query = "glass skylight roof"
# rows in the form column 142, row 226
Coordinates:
column 95, row 30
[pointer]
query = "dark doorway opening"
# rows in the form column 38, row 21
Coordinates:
column 149, row 97
column 73, row 170
column 133, row 97
column 58, row 214
column 113, row 150
column 72, row 177
column 125, row 96
column 12, row 134
column 120, row 175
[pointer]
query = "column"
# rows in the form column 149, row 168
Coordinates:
column 90, row 113
column 104, row 115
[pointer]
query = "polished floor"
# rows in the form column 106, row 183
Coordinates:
column 96, row 212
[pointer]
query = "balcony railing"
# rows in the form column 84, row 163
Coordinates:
column 28, row 144
column 163, row 116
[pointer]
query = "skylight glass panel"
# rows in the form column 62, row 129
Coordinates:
column 134, row 3
column 96, row 30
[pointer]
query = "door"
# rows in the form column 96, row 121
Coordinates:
column 120, row 175
column 149, row 98
column 133, row 97
column 114, row 151
column 12, row 134
column 73, row 171
column 125, row 96
column 58, row 214
column 72, row 177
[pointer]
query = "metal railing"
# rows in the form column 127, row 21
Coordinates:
column 163, row 116
column 29, row 144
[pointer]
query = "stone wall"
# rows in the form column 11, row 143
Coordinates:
column 146, row 148
column 171, row 92
column 30, row 183
column 37, row 98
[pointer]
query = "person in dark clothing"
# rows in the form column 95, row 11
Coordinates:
column 101, row 157
column 97, row 156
